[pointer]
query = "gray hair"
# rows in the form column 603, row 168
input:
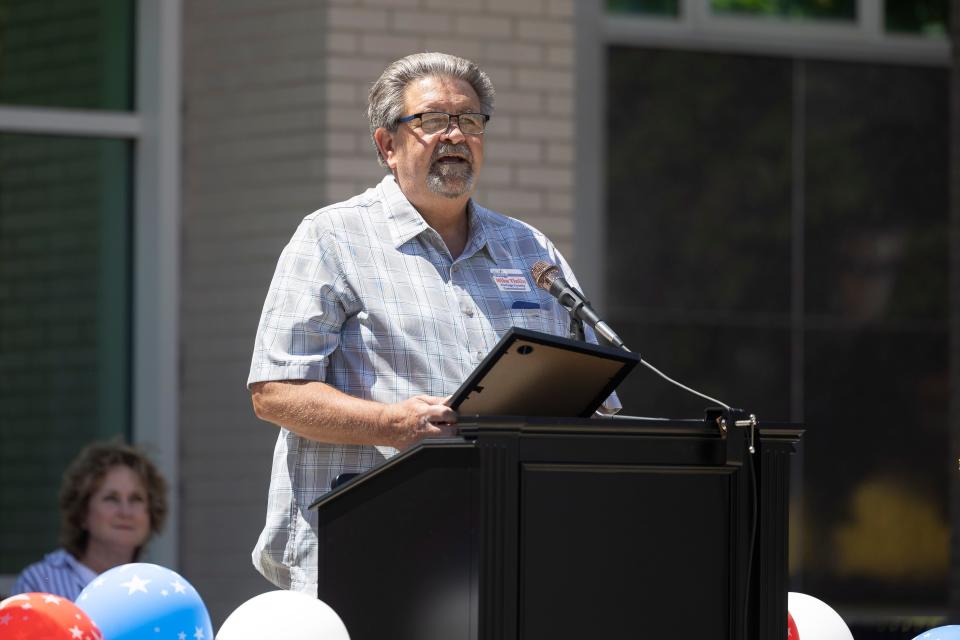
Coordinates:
column 386, row 98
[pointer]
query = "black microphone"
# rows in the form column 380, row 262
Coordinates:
column 549, row 278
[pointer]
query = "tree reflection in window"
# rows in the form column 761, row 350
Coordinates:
column 929, row 17
column 818, row 9
column 648, row 7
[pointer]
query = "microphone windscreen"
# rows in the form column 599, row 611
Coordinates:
column 544, row 274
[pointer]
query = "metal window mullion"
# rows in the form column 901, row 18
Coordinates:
column 695, row 13
column 590, row 213
column 157, row 255
column 870, row 18
column 953, row 412
column 798, row 186
column 798, row 237
column 70, row 122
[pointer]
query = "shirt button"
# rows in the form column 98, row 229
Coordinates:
column 479, row 355
column 468, row 310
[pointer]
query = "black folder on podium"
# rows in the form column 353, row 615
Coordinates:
column 529, row 373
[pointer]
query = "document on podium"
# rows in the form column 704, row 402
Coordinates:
column 529, row 373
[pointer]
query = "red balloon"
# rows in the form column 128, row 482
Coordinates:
column 42, row 616
column 792, row 632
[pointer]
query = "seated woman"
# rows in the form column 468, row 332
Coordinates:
column 112, row 500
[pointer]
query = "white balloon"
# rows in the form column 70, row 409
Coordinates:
column 815, row 619
column 283, row 614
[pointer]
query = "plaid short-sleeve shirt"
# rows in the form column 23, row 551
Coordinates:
column 367, row 299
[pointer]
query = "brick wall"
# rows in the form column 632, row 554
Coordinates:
column 275, row 127
column 253, row 140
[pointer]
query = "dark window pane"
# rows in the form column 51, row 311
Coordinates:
column 64, row 322
column 819, row 9
column 698, row 186
column 699, row 218
column 876, row 467
column 929, row 17
column 876, row 158
column 700, row 175
column 69, row 53
column 875, row 527
column 746, row 367
column 649, row 7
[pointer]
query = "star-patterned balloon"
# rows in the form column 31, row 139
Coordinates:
column 42, row 616
column 143, row 601
column 949, row 632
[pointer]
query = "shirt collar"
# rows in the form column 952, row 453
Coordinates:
column 480, row 236
column 407, row 223
column 62, row 558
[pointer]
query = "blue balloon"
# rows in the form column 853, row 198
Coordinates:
column 949, row 632
column 143, row 601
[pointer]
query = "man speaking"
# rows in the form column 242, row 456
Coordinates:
column 382, row 305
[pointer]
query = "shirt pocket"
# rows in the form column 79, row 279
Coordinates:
column 529, row 317
column 525, row 310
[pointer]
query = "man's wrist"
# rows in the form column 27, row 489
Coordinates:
column 387, row 425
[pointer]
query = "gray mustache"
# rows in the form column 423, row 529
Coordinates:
column 445, row 148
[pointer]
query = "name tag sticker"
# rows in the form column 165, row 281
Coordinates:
column 510, row 279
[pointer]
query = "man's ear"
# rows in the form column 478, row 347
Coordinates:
column 387, row 146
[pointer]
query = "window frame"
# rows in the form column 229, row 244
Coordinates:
column 697, row 26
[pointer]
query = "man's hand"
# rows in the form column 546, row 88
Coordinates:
column 417, row 418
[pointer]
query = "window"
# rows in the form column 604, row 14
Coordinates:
column 64, row 321
column 699, row 193
column 67, row 53
column 777, row 238
column 66, row 251
column 875, row 335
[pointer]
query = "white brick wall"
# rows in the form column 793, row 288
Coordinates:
column 275, row 127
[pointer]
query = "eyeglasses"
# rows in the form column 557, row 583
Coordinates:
column 437, row 121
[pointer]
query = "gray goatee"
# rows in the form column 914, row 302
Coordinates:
column 451, row 179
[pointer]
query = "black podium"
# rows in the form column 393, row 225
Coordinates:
column 547, row 529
